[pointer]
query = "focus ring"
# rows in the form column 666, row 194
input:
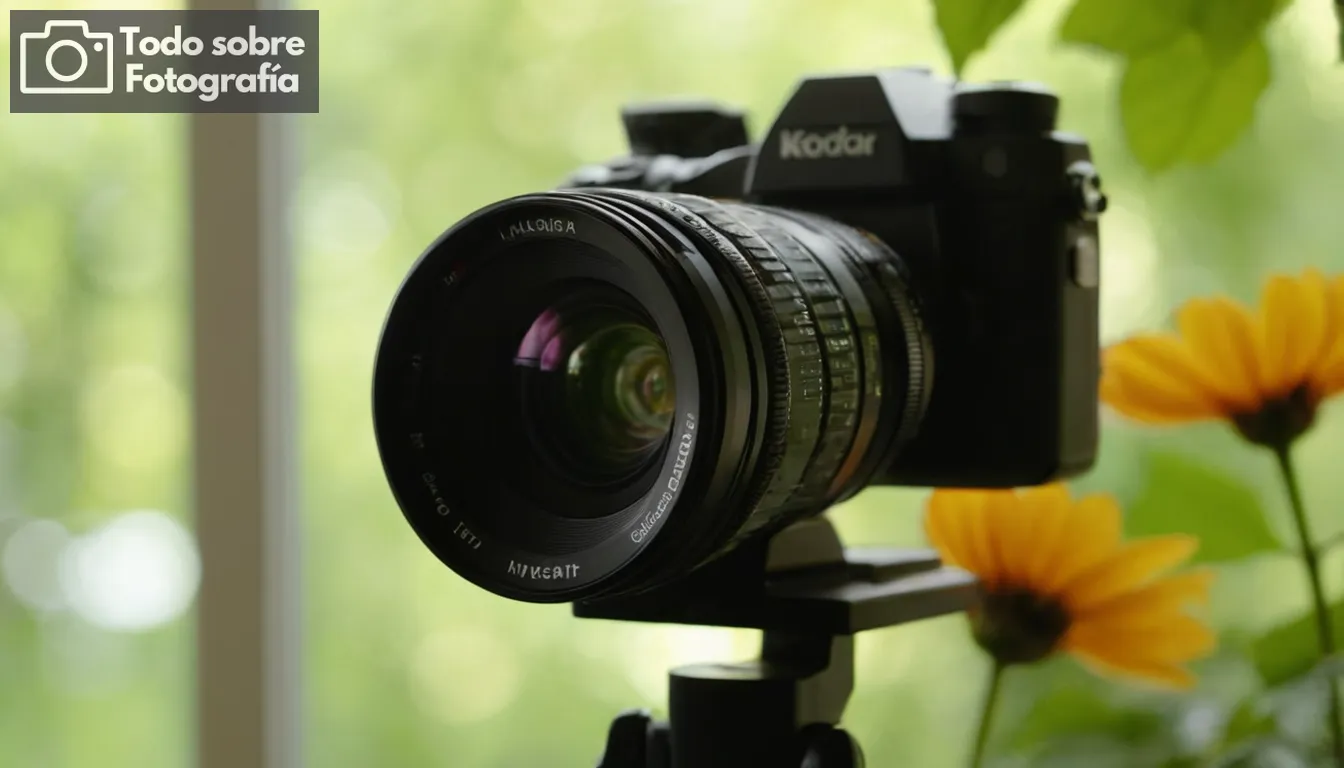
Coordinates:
column 688, row 212
column 822, row 361
column 839, row 373
column 883, row 265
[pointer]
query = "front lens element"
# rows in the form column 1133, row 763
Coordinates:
column 596, row 387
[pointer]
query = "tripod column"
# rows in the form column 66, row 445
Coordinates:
column 732, row 715
column 752, row 714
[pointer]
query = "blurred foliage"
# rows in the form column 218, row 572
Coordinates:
column 1289, row 650
column 968, row 25
column 432, row 109
column 93, row 423
column 1193, row 70
column 1183, row 496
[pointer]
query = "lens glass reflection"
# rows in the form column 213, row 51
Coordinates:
column 596, row 386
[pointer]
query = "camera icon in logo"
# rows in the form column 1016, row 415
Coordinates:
column 65, row 57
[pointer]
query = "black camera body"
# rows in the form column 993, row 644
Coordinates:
column 595, row 390
column 993, row 211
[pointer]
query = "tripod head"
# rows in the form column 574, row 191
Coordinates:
column 809, row 595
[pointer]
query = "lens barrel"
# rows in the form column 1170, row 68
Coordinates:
column 592, row 392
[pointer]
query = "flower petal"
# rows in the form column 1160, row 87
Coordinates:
column 1160, row 673
column 1292, row 322
column 1145, row 386
column 1044, row 511
column 1127, row 569
column 956, row 527
column 1087, row 536
column 982, row 533
column 1221, row 333
column 944, row 526
column 1005, row 522
column 1169, row 595
column 1169, row 638
column 1328, row 379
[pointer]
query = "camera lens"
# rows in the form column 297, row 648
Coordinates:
column 591, row 392
column 597, row 386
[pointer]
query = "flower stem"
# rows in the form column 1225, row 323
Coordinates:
column 987, row 714
column 1325, row 633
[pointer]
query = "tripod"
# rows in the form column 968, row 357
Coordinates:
column 809, row 595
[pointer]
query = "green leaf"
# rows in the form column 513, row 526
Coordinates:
column 1183, row 496
column 1247, row 721
column 1143, row 26
column 1291, row 649
column 967, row 25
column 1129, row 28
column 1181, row 104
column 1262, row 753
column 1065, row 709
column 1228, row 27
column 1195, row 70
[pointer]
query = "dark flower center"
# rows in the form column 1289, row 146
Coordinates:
column 1280, row 421
column 1018, row 626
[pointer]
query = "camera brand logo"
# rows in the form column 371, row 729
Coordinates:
column 799, row 144
column 163, row 61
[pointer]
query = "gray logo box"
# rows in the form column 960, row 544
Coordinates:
column 163, row 61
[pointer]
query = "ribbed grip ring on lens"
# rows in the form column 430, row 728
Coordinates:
column 822, row 366
column 885, row 268
column 686, row 211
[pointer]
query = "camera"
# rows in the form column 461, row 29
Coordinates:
column 65, row 57
column 595, row 390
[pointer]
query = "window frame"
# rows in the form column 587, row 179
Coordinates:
column 248, row 610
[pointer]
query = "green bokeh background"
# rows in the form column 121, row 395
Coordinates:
column 433, row 108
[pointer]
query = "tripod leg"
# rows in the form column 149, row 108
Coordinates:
column 636, row 740
column 828, row 747
column 626, row 740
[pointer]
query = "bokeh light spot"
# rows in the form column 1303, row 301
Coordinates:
column 135, row 418
column 137, row 572
column 130, row 258
column 464, row 675
column 82, row 660
column 30, row 562
column 347, row 212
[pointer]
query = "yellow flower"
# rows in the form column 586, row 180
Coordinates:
column 1265, row 370
column 1056, row 576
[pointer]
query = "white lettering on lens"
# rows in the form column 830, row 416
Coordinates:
column 804, row 145
column 543, row 572
column 464, row 533
column 440, row 505
column 537, row 227
column 659, row 508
